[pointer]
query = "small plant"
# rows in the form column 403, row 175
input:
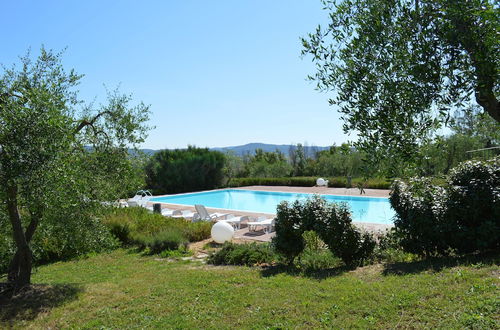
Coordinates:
column 165, row 240
column 389, row 249
column 243, row 254
column 177, row 254
column 316, row 255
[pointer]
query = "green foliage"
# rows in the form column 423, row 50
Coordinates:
column 464, row 215
column 471, row 121
column 389, row 249
column 315, row 255
column 138, row 226
column 332, row 223
column 473, row 206
column 59, row 158
column 176, row 254
column 243, row 254
column 392, row 64
column 266, row 164
column 169, row 239
column 60, row 238
column 182, row 170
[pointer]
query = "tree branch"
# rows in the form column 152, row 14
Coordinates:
column 84, row 123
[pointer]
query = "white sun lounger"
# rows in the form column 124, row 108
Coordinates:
column 184, row 214
column 203, row 214
column 266, row 224
column 234, row 221
column 170, row 213
column 141, row 198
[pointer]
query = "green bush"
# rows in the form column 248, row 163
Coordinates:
column 389, row 248
column 170, row 239
column 63, row 234
column 243, row 254
column 332, row 223
column 463, row 216
column 316, row 255
column 181, row 170
column 137, row 226
column 473, row 206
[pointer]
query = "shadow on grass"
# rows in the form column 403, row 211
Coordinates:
column 38, row 298
column 294, row 271
column 438, row 264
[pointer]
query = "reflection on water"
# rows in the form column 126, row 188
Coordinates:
column 364, row 209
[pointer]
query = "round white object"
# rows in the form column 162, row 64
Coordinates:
column 321, row 182
column 222, row 232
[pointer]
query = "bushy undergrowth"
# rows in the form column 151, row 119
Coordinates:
column 62, row 235
column 332, row 223
column 316, row 255
column 461, row 216
column 339, row 182
column 389, row 249
column 139, row 227
column 243, row 254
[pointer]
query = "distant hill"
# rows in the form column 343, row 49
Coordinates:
column 251, row 147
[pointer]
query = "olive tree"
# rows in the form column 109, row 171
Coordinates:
column 55, row 152
column 397, row 69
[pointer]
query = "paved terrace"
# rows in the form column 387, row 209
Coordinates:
column 244, row 235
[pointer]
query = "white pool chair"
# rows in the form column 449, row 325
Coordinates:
column 133, row 203
column 203, row 214
column 184, row 214
column 234, row 221
column 170, row 213
column 264, row 222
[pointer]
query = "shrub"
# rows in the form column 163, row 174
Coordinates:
column 419, row 219
column 138, row 226
column 303, row 181
column 473, row 206
column 289, row 241
column 343, row 239
column 243, row 254
column 63, row 234
column 389, row 248
column 332, row 223
column 171, row 239
column 464, row 215
column 316, row 255
column 181, row 170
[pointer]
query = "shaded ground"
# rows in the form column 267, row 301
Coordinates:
column 29, row 302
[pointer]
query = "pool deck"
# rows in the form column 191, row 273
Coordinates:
column 321, row 190
column 244, row 235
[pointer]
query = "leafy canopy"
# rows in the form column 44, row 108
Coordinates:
column 60, row 158
column 398, row 68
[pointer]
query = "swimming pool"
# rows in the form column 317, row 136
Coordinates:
column 364, row 209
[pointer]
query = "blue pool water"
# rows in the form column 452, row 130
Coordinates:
column 364, row 209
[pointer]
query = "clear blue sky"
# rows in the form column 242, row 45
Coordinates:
column 216, row 73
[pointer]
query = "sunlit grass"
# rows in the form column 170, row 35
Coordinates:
column 124, row 289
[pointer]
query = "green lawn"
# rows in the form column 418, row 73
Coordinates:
column 124, row 289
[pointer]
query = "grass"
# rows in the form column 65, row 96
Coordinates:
column 123, row 289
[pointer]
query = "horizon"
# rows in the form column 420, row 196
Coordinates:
column 215, row 74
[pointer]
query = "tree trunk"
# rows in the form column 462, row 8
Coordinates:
column 14, row 264
column 21, row 274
